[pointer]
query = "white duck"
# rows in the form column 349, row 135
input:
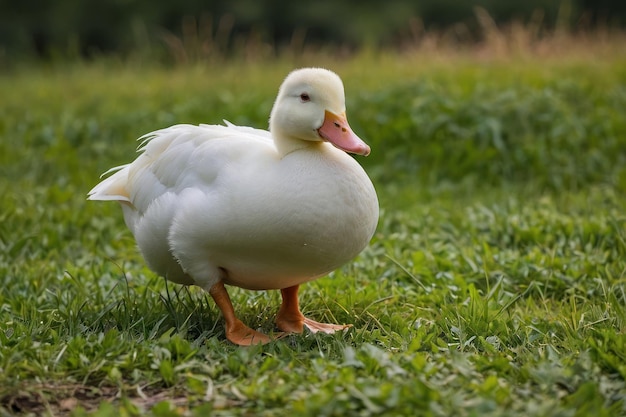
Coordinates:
column 213, row 205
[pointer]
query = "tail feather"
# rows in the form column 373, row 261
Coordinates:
column 113, row 188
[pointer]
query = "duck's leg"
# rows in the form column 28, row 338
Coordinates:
column 290, row 319
column 236, row 331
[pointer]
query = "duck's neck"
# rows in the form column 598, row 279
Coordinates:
column 286, row 144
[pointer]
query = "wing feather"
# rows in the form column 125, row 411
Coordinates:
column 169, row 160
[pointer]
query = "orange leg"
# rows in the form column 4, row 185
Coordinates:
column 290, row 319
column 236, row 331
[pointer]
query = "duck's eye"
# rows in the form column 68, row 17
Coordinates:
column 305, row 97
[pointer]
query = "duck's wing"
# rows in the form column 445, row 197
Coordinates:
column 177, row 157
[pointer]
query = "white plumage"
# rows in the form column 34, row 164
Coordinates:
column 212, row 205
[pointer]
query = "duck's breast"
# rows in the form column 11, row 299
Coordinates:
column 272, row 223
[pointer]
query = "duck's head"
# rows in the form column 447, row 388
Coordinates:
column 311, row 106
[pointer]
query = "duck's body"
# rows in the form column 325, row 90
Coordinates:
column 214, row 205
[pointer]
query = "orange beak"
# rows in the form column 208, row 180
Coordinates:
column 337, row 131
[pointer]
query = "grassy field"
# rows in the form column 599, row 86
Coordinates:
column 494, row 286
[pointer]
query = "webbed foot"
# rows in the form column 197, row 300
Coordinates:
column 289, row 318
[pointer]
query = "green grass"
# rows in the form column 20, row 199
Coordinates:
column 494, row 286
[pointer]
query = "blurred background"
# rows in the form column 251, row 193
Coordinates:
column 185, row 30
